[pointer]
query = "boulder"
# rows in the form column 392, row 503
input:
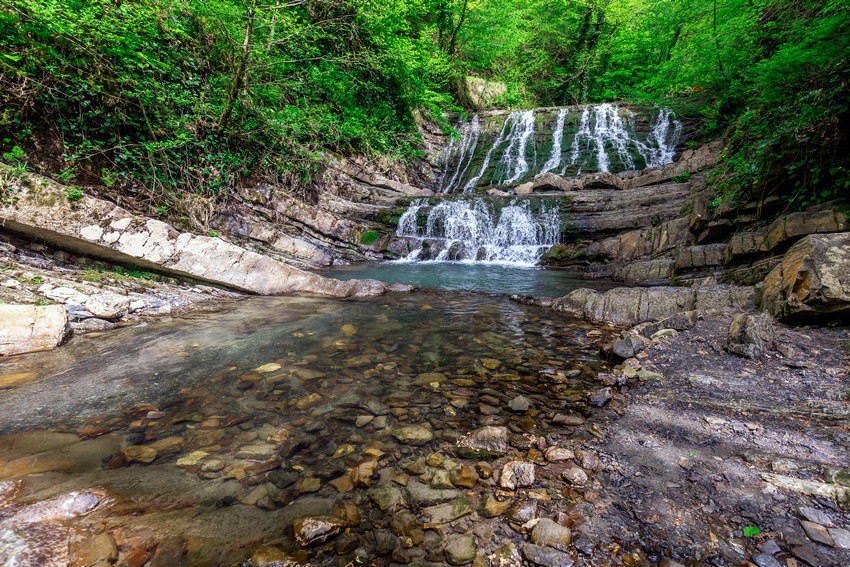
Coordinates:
column 812, row 282
column 30, row 328
column 750, row 335
column 647, row 272
column 107, row 305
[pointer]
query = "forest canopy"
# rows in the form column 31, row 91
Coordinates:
column 195, row 96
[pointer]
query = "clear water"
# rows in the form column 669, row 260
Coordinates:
column 312, row 388
column 471, row 276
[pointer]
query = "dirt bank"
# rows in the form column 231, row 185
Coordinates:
column 700, row 460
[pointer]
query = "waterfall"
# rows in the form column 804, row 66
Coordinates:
column 513, row 159
column 601, row 129
column 478, row 231
column 499, row 150
column 474, row 181
column 661, row 142
column 603, row 132
column 465, row 152
column 557, row 139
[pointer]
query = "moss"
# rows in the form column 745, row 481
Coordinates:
column 369, row 237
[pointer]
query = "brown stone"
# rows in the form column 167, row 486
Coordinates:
column 135, row 557
column 812, row 281
column 139, row 454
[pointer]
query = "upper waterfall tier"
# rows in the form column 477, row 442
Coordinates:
column 511, row 148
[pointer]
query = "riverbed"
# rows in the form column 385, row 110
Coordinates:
column 212, row 438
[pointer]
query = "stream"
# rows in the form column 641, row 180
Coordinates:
column 216, row 433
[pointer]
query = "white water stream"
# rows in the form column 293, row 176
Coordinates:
column 477, row 231
column 603, row 138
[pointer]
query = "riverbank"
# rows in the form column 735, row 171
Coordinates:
column 717, row 458
column 98, row 296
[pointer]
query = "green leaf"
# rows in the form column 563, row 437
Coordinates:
column 750, row 531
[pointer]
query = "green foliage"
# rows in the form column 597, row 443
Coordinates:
column 15, row 156
column 370, row 236
column 73, row 193
column 67, row 174
column 185, row 99
column 213, row 234
column 750, row 531
column 163, row 93
column 681, row 178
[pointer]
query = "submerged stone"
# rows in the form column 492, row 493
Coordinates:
column 416, row 435
column 551, row 534
column 316, row 530
column 460, row 550
column 487, row 442
column 449, row 511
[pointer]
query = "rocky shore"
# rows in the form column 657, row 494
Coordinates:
column 723, row 459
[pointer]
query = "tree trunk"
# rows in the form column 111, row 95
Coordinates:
column 239, row 76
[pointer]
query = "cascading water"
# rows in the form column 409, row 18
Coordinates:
column 498, row 150
column 466, row 150
column 557, row 140
column 514, row 162
column 478, row 231
column 501, row 151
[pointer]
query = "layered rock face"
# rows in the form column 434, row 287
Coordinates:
column 103, row 230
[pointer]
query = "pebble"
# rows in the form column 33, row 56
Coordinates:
column 516, row 474
column 435, row 459
column 519, row 403
column 816, row 516
column 575, row 476
column 765, row 560
column 416, row 435
column 460, row 550
column 493, row 507
column 551, row 534
column 523, row 511
column 464, row 476
column 555, row 454
column 567, row 419
column 546, row 556
column 841, row 537
column 485, row 442
column 601, row 397
column 309, row 484
column 386, row 498
column 363, row 420
column 315, row 530
column 441, row 479
column 139, row 454
column 449, row 511
column 342, row 483
column 817, row 533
